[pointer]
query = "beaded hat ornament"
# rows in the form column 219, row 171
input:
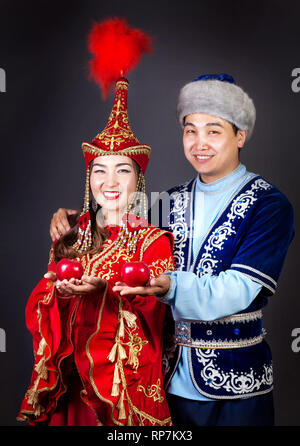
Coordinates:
column 116, row 49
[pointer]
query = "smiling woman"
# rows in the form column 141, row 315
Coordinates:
column 97, row 353
column 113, row 183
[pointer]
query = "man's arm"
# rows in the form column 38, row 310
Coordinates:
column 256, row 264
column 59, row 223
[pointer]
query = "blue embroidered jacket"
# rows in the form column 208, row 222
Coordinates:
column 228, row 357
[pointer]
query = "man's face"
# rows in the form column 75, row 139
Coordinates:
column 211, row 145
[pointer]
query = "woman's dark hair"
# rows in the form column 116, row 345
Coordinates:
column 64, row 246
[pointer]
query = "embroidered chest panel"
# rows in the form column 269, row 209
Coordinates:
column 219, row 235
column 107, row 264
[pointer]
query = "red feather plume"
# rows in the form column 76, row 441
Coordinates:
column 117, row 49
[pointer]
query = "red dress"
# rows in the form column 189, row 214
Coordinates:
column 98, row 358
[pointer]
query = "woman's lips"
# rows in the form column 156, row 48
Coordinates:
column 111, row 195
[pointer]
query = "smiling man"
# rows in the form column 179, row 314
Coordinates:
column 232, row 230
column 211, row 145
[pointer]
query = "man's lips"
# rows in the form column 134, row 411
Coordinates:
column 111, row 195
column 202, row 158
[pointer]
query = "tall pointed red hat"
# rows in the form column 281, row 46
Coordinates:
column 117, row 49
column 117, row 138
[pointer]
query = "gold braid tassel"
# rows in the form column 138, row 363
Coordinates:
column 112, row 356
column 132, row 356
column 42, row 346
column 129, row 422
column 121, row 407
column 122, row 352
column 121, row 328
column 32, row 394
column 41, row 369
column 130, row 318
column 116, row 382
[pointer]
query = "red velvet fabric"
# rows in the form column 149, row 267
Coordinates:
column 98, row 357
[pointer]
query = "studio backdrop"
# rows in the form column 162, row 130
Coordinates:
column 48, row 107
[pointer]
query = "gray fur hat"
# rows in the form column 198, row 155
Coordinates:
column 217, row 95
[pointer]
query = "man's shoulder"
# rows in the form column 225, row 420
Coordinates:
column 272, row 192
column 181, row 188
column 270, row 199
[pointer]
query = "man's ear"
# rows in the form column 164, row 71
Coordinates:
column 241, row 135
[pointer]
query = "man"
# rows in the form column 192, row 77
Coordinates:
column 232, row 230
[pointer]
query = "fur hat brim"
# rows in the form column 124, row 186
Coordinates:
column 223, row 99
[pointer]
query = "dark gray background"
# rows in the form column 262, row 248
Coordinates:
column 50, row 107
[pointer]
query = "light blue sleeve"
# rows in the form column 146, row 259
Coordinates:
column 209, row 297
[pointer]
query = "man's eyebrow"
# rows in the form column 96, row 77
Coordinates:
column 208, row 124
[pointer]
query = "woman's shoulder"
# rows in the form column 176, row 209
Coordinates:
column 154, row 234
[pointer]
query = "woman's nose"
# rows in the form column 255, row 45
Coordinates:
column 111, row 179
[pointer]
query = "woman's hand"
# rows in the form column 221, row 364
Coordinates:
column 85, row 286
column 59, row 224
column 156, row 285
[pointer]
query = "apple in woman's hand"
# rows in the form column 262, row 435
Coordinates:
column 135, row 274
column 68, row 269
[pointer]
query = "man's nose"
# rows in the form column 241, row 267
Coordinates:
column 201, row 142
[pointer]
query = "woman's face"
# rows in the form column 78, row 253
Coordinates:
column 113, row 180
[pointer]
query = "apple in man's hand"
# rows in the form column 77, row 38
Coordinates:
column 135, row 274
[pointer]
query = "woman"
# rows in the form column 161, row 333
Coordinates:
column 97, row 354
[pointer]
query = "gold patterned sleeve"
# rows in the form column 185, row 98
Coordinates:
column 158, row 254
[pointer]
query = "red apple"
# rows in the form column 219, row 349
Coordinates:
column 68, row 269
column 135, row 273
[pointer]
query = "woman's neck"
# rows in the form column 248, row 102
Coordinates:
column 109, row 218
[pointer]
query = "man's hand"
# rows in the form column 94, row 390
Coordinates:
column 59, row 223
column 156, row 285
column 85, row 286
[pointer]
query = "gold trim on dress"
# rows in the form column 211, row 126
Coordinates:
column 152, row 391
column 96, row 390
